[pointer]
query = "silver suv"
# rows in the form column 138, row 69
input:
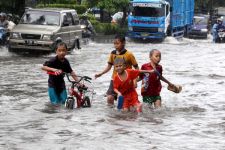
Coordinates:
column 41, row 29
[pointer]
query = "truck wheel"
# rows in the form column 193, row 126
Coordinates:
column 168, row 32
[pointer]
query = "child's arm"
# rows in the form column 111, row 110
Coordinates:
column 144, row 71
column 46, row 68
column 162, row 78
column 117, row 92
column 147, row 71
column 104, row 71
column 74, row 76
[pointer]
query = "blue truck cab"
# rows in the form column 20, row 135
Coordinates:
column 156, row 19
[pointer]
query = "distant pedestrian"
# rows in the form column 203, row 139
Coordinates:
column 56, row 84
column 121, row 52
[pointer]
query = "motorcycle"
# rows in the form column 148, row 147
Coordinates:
column 87, row 29
column 2, row 36
column 221, row 36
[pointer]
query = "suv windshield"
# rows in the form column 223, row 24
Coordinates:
column 200, row 21
column 40, row 18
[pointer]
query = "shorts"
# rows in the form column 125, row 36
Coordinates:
column 151, row 99
column 57, row 98
column 131, row 100
column 110, row 90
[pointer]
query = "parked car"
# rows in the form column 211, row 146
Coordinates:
column 41, row 29
column 200, row 27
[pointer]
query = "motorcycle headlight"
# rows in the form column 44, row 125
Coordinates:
column 83, row 26
column 15, row 35
column 130, row 28
column 204, row 30
column 46, row 37
column 160, row 29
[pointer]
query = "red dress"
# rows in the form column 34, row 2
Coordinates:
column 127, row 89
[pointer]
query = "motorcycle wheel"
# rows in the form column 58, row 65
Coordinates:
column 69, row 104
column 87, row 102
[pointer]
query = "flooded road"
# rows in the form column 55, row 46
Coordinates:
column 191, row 120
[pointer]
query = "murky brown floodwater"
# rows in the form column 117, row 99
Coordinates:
column 191, row 120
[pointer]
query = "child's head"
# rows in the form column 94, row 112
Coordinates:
column 61, row 50
column 119, row 42
column 119, row 64
column 155, row 56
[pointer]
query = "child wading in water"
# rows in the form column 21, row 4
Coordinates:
column 124, row 85
column 119, row 52
column 151, row 85
column 58, row 65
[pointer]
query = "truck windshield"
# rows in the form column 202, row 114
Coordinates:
column 149, row 11
column 40, row 18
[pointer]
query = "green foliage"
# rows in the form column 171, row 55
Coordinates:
column 79, row 8
column 88, row 15
column 90, row 3
column 113, row 5
column 108, row 28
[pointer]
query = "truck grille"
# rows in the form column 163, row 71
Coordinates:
column 145, row 29
column 31, row 36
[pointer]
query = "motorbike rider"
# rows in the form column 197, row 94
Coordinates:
column 89, row 29
column 4, row 24
column 3, row 20
column 11, row 24
column 216, row 27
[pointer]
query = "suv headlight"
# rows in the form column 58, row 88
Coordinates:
column 160, row 29
column 46, row 37
column 15, row 35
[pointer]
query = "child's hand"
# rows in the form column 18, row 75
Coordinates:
column 58, row 71
column 98, row 75
column 119, row 94
column 80, row 85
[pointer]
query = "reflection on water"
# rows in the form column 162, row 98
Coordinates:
column 193, row 119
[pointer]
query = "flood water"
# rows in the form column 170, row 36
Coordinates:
column 191, row 120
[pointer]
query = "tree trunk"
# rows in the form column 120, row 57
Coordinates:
column 20, row 7
column 122, row 24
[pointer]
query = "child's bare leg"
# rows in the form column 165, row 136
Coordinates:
column 157, row 103
column 125, row 109
column 110, row 99
column 137, row 107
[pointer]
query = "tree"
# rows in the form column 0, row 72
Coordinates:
column 12, row 6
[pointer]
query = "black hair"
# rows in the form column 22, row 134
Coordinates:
column 120, row 37
column 152, row 51
column 60, row 44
